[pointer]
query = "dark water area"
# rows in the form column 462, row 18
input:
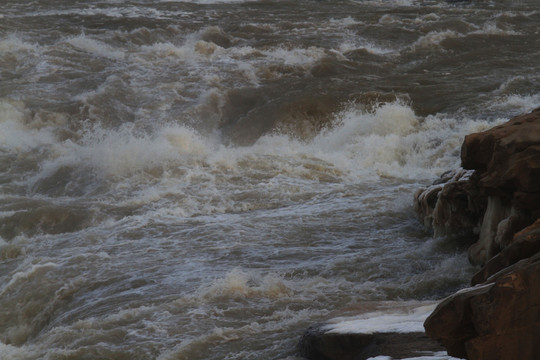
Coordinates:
column 205, row 179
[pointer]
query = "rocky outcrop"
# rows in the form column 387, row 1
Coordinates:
column 507, row 159
column 390, row 329
column 453, row 204
column 499, row 320
column 508, row 156
column 496, row 196
column 318, row 344
column 524, row 243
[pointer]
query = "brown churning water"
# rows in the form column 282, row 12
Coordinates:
column 205, row 179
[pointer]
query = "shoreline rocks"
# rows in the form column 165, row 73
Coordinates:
column 320, row 345
column 495, row 197
column 493, row 201
column 389, row 329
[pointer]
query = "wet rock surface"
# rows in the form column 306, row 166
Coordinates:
column 320, row 344
column 499, row 202
column 496, row 320
column 494, row 199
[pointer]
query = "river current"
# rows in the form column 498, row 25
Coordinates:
column 206, row 179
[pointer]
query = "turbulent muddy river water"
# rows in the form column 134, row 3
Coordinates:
column 206, row 179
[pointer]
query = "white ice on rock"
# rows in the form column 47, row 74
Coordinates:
column 402, row 320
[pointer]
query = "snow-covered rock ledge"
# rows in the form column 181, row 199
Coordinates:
column 388, row 330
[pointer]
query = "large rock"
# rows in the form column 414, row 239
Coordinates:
column 393, row 329
column 508, row 157
column 497, row 211
column 453, row 204
column 507, row 160
column 499, row 320
column 524, row 244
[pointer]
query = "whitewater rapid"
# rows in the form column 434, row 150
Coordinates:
column 206, row 179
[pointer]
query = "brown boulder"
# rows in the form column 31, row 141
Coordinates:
column 507, row 156
column 452, row 204
column 524, row 244
column 451, row 323
column 507, row 160
column 497, row 320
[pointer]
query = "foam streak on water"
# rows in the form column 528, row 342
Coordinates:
column 206, row 179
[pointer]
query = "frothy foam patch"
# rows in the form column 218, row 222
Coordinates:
column 193, row 51
column 123, row 151
column 427, row 18
column 295, row 56
column 492, row 29
column 392, row 141
column 174, row 159
column 113, row 12
column 173, row 171
column 33, row 271
column 347, row 21
column 240, row 284
column 506, row 85
column 13, row 43
column 10, row 352
column 16, row 132
column 95, row 47
column 518, row 103
column 355, row 44
column 434, row 38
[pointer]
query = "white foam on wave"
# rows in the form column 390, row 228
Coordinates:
column 392, row 141
column 295, row 56
column 195, row 174
column 491, row 28
column 346, row 21
column 113, row 12
column 435, row 38
column 514, row 14
column 124, row 151
column 25, row 352
column 95, row 47
column 16, row 130
column 14, row 43
column 517, row 103
column 241, row 284
column 509, row 82
column 431, row 17
column 196, row 51
column 32, row 271
column 356, row 43
column 186, row 52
